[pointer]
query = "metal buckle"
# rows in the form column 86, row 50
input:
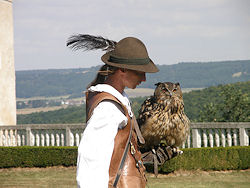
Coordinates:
column 132, row 148
column 139, row 164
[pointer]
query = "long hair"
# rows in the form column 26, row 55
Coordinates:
column 102, row 75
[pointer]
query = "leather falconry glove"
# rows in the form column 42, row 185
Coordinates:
column 159, row 156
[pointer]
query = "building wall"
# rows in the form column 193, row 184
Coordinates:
column 7, row 69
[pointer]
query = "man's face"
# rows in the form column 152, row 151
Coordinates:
column 134, row 78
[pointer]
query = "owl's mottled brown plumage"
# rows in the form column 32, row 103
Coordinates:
column 162, row 118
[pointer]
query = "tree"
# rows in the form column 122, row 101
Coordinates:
column 234, row 106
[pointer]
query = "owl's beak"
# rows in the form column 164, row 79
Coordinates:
column 170, row 92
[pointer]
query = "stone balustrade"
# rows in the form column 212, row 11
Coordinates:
column 218, row 134
column 201, row 135
column 41, row 135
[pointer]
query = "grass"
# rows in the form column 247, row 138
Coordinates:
column 65, row 177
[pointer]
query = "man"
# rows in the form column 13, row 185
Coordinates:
column 108, row 154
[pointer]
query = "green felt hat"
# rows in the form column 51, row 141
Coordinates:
column 130, row 53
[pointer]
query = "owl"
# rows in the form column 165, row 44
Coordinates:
column 162, row 119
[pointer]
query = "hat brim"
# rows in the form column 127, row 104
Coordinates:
column 149, row 68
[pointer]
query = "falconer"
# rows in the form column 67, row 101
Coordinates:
column 108, row 154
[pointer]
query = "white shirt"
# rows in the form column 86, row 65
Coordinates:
column 97, row 144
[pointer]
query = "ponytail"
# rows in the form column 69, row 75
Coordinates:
column 102, row 75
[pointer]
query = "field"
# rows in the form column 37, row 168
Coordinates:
column 132, row 93
column 65, row 177
column 33, row 110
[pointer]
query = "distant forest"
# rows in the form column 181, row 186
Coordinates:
column 59, row 82
column 222, row 103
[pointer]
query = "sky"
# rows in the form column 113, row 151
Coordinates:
column 173, row 30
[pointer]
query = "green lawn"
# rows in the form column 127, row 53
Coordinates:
column 65, row 177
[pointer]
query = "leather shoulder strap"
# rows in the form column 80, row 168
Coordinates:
column 94, row 98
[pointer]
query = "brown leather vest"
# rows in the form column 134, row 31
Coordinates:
column 132, row 175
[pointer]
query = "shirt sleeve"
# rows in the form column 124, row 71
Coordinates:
column 97, row 144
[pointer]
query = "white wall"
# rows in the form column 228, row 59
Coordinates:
column 7, row 70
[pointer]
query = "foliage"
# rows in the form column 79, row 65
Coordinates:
column 219, row 158
column 75, row 114
column 222, row 103
column 228, row 158
column 73, row 81
column 136, row 104
column 234, row 106
column 27, row 156
column 53, row 82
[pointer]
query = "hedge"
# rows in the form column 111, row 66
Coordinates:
column 32, row 156
column 217, row 158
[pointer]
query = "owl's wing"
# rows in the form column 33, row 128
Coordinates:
column 145, row 110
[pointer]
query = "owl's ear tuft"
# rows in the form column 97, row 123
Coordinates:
column 178, row 84
column 158, row 83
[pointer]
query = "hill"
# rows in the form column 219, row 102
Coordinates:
column 196, row 106
column 60, row 82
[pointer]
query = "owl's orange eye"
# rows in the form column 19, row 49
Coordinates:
column 174, row 90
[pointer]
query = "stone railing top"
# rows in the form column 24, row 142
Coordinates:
column 222, row 125
column 213, row 125
column 45, row 126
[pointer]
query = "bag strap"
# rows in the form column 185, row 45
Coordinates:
column 138, row 132
column 124, row 156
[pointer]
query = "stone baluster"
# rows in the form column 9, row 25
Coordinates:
column 52, row 139
column 223, row 138
column 6, row 134
column 211, row 138
column 77, row 139
column 196, row 138
column 28, row 132
column 62, row 139
column 69, row 137
column 57, row 139
column 42, row 139
column 244, row 139
column 204, row 135
column 47, row 138
column 8, row 138
column 37, row 139
column 19, row 140
column 183, row 145
column 229, row 137
column 4, row 140
column 23, row 140
column 217, row 138
column 11, row 137
column 189, row 141
column 71, row 143
column 32, row 138
column 235, row 137
column 15, row 137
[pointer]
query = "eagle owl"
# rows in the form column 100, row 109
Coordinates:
column 162, row 119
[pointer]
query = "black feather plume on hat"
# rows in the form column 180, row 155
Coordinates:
column 90, row 42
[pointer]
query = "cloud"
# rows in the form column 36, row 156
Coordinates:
column 189, row 29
